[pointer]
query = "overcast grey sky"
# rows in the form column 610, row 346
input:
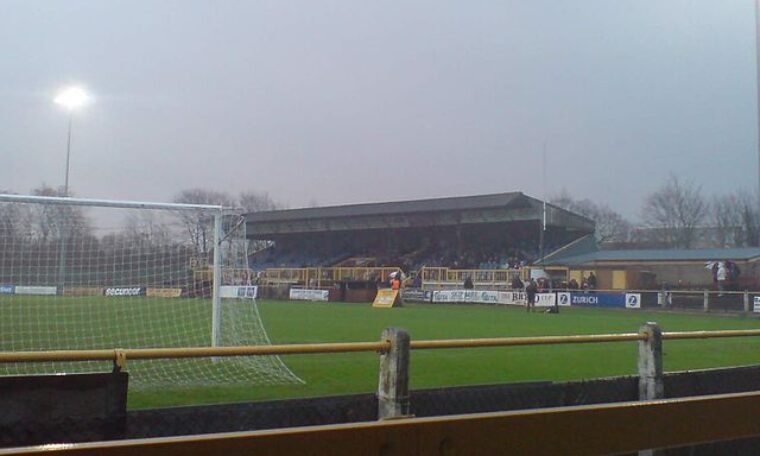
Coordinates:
column 355, row 101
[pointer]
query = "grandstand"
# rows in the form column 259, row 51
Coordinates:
column 483, row 232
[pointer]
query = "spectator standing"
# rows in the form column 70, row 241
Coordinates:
column 714, row 270
column 733, row 271
column 530, row 295
column 572, row 284
column 517, row 284
column 468, row 285
column 722, row 277
column 591, row 281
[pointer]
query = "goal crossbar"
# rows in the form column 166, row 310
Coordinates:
column 66, row 201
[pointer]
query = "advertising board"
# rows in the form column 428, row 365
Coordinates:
column 124, row 291
column 163, row 292
column 35, row 290
column 82, row 291
column 309, row 295
column 237, row 291
column 248, row 291
column 416, row 295
column 600, row 299
column 386, row 298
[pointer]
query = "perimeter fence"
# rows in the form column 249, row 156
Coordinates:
column 393, row 402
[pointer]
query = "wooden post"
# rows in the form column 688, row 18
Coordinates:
column 707, row 301
column 650, row 368
column 746, row 301
column 393, row 387
column 650, row 363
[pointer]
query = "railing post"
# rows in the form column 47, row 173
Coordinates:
column 707, row 300
column 650, row 368
column 393, row 387
column 650, row 363
column 746, row 301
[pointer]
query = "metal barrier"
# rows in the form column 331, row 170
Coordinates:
column 326, row 276
column 393, row 403
column 382, row 346
column 436, row 277
column 578, row 430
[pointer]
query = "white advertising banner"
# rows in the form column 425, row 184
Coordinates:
column 449, row 295
column 42, row 291
column 480, row 297
column 512, row 298
column 236, row 291
column 546, row 299
column 309, row 295
column 227, row 291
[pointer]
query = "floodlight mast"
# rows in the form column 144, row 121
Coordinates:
column 71, row 99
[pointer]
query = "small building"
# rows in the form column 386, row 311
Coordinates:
column 651, row 268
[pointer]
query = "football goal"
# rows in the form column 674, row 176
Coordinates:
column 96, row 274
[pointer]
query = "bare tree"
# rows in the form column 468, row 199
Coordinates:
column 252, row 201
column 198, row 224
column 750, row 218
column 673, row 213
column 14, row 228
column 12, row 221
column 610, row 225
column 56, row 221
column 726, row 218
column 735, row 219
column 147, row 228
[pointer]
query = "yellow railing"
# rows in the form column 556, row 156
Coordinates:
column 381, row 346
column 433, row 276
column 326, row 276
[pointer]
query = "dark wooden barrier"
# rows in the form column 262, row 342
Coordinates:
column 62, row 408
column 583, row 430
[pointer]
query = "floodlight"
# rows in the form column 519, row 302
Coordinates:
column 72, row 98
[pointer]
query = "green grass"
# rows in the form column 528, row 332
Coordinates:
column 295, row 322
column 332, row 374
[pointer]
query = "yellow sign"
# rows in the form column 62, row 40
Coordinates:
column 164, row 292
column 386, row 298
column 82, row 291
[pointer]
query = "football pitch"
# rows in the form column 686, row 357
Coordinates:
column 335, row 374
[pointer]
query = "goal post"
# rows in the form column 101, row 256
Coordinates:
column 81, row 273
column 216, row 304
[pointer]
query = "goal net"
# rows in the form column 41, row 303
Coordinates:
column 87, row 274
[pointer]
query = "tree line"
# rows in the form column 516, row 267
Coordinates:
column 675, row 215
column 38, row 233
